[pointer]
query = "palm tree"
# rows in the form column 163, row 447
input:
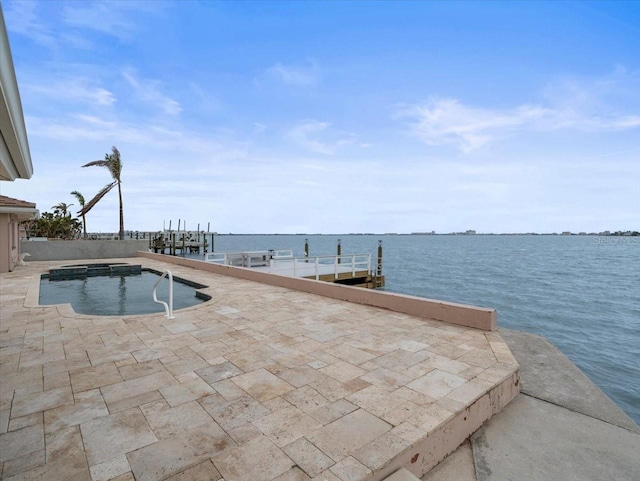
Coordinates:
column 62, row 208
column 114, row 165
column 81, row 201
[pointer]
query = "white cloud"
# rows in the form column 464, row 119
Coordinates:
column 259, row 128
column 149, row 92
column 73, row 89
column 591, row 105
column 315, row 137
column 54, row 24
column 79, row 128
column 22, row 18
column 296, row 75
column 111, row 18
column 447, row 121
column 302, row 135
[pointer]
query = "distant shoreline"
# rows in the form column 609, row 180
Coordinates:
column 567, row 234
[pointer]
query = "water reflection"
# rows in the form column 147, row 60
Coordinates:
column 122, row 297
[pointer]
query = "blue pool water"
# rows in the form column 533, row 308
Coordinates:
column 580, row 292
column 116, row 295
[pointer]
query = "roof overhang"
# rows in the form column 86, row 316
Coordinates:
column 20, row 213
column 15, row 158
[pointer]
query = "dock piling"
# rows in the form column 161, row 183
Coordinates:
column 379, row 266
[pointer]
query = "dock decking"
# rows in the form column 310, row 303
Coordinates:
column 260, row 383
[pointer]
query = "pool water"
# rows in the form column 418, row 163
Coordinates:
column 118, row 295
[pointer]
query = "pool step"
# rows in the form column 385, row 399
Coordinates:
column 75, row 272
column 68, row 272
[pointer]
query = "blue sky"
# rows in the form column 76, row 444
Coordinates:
column 335, row 117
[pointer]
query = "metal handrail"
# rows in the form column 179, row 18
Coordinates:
column 244, row 258
column 168, row 308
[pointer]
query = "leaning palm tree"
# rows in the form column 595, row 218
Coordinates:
column 81, row 201
column 114, row 165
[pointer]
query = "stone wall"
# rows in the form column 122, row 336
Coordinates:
column 59, row 250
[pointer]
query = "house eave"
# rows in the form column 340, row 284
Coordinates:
column 15, row 157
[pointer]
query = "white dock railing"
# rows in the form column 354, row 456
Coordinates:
column 216, row 257
column 282, row 262
column 322, row 265
column 167, row 307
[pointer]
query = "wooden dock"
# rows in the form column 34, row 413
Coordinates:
column 177, row 244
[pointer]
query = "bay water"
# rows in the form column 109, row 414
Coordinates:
column 580, row 292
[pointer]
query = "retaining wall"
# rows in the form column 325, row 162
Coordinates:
column 471, row 316
column 59, row 250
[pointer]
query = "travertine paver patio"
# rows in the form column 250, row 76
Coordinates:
column 260, row 383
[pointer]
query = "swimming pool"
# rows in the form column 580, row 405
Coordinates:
column 126, row 291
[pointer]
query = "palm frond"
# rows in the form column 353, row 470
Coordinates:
column 89, row 205
column 78, row 196
column 115, row 165
column 99, row 163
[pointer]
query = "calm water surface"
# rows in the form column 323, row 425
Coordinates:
column 116, row 295
column 580, row 292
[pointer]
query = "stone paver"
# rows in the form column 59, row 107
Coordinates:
column 308, row 457
column 41, row 401
column 286, row 425
column 166, row 421
column 348, row 433
column 213, row 374
column 262, row 385
column 23, row 441
column 350, row 469
column 93, row 377
column 257, row 459
column 110, row 436
column 200, row 472
column 175, row 454
column 265, row 384
column 186, row 391
column 437, row 383
column 88, row 405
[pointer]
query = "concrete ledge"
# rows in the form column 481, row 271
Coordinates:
column 460, row 314
column 445, row 438
column 60, row 250
column 549, row 375
column 533, row 440
column 560, row 426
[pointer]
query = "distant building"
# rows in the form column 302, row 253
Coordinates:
column 470, row 232
column 566, row 232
